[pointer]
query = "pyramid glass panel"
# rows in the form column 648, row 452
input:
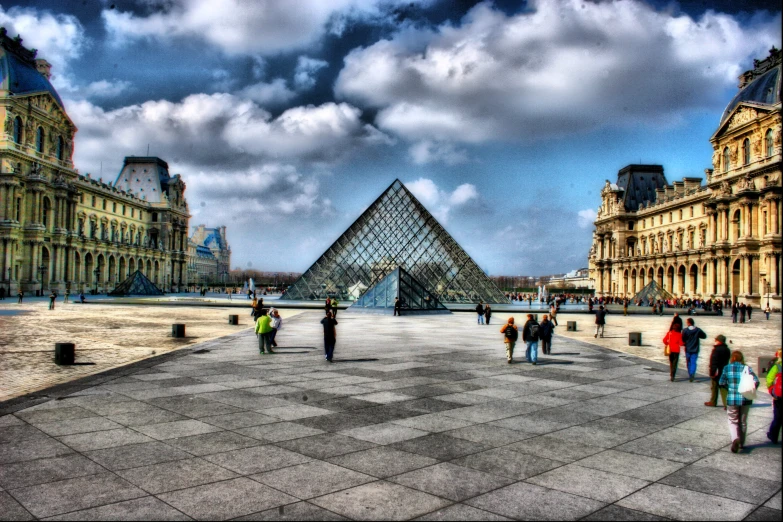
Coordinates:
column 137, row 284
column 652, row 293
column 398, row 284
column 396, row 231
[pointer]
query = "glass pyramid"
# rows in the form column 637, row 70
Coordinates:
column 414, row 298
column 651, row 293
column 396, row 231
column 136, row 284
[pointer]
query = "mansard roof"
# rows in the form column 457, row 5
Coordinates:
column 18, row 71
column 638, row 184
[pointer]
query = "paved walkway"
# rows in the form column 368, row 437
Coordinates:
column 416, row 418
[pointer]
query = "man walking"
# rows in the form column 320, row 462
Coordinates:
column 691, row 338
column 397, row 306
column 553, row 313
column 530, row 333
column 480, row 312
column 600, row 321
column 510, row 336
column 330, row 335
column 546, row 330
column 719, row 359
column 52, row 298
column 263, row 330
column 20, row 295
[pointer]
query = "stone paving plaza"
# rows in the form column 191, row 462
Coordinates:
column 417, row 418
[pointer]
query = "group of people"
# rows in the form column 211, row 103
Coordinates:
column 484, row 313
column 268, row 323
column 532, row 332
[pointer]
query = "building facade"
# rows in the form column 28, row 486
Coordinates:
column 60, row 230
column 209, row 256
column 721, row 239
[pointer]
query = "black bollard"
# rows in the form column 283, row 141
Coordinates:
column 233, row 319
column 64, row 353
column 571, row 326
column 635, row 339
column 178, row 330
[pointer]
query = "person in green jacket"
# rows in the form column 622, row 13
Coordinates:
column 773, row 434
column 263, row 330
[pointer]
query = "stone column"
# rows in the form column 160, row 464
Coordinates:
column 753, row 280
column 3, row 201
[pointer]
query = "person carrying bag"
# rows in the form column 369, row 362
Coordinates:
column 739, row 378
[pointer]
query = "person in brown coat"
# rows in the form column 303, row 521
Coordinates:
column 510, row 336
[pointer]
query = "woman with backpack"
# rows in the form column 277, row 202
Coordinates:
column 774, row 384
column 510, row 336
column 738, row 405
column 672, row 346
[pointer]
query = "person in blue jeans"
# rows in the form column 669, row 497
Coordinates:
column 690, row 338
column 480, row 313
column 530, row 334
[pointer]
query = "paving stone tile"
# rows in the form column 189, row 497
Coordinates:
column 279, row 431
column 751, row 464
column 312, row 479
column 30, row 449
column 73, row 426
column 461, row 512
column 195, row 407
column 754, row 490
column 295, row 411
column 385, row 413
column 172, row 430
column 764, row 513
column 209, row 443
column 489, row 435
column 10, row 420
column 590, row 483
column 104, row 439
column 697, row 438
column 555, row 449
column 422, row 391
column 614, row 512
column 491, row 411
column 54, row 498
column 529, row 502
column 529, row 424
column 775, row 502
column 439, row 446
column 10, row 509
column 427, row 405
column 434, row 422
column 385, row 433
column 151, row 416
column 19, row 432
column 465, row 398
column 382, row 462
column 348, row 389
column 451, row 481
column 684, row 504
column 294, row 512
column 257, row 459
column 638, row 466
column 145, row 508
column 385, row 397
column 118, row 408
column 338, row 404
column 136, row 455
column 178, row 474
column 234, row 421
column 568, row 415
column 380, row 501
column 53, row 415
column 325, row 445
column 506, row 463
column 677, row 452
column 29, row 473
column 226, row 500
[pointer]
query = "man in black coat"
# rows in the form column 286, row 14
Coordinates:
column 480, row 312
column 600, row 321
column 690, row 337
column 719, row 359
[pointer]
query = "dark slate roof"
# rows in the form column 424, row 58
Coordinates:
column 20, row 76
column 638, row 183
column 764, row 90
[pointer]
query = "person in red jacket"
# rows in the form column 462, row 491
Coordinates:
column 673, row 340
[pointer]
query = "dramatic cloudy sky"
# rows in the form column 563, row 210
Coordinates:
column 286, row 119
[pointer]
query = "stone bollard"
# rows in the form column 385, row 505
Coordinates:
column 64, row 353
column 233, row 319
column 634, row 338
column 765, row 365
column 178, row 330
column 571, row 326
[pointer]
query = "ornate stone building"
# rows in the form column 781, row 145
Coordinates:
column 722, row 239
column 62, row 230
column 209, row 256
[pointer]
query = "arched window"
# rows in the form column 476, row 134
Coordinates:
column 726, row 160
column 60, row 147
column 746, row 151
column 39, row 139
column 18, row 130
column 768, row 141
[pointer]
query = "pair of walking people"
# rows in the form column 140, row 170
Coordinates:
column 678, row 340
column 267, row 326
column 532, row 332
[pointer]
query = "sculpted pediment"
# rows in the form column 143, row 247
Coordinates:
column 742, row 114
column 46, row 103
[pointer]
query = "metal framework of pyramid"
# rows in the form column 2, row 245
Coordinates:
column 652, row 293
column 396, row 231
column 136, row 284
column 399, row 284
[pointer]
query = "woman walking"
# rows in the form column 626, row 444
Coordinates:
column 738, row 406
column 673, row 344
column 487, row 313
column 276, row 322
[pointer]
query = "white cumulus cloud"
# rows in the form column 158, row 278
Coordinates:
column 586, row 217
column 440, row 202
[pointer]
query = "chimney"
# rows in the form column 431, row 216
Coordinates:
column 44, row 67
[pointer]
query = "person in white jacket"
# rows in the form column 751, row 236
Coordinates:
column 276, row 324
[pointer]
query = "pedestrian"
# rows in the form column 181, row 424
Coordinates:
column 676, row 320
column 82, row 299
column 673, row 343
column 52, row 298
column 553, row 313
column 691, row 339
column 734, row 312
column 276, row 322
column 397, row 306
column 487, row 313
column 546, row 330
column 258, row 309
column 749, row 310
column 20, row 295
column 767, row 311
column 510, row 336
column 719, row 359
column 67, row 296
column 742, row 310
column 335, row 302
column 480, row 313
column 2, row 294
column 263, row 329
column 328, row 304
column 330, row 335
column 530, row 333
column 600, row 321
column 625, row 307
column 774, row 378
column 738, row 406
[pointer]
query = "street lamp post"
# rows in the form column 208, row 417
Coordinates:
column 41, row 270
column 96, row 273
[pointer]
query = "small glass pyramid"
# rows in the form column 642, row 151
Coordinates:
column 396, row 231
column 651, row 293
column 414, row 298
column 136, row 284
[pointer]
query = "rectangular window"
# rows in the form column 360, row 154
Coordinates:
column 93, row 201
column 692, row 214
column 680, row 214
column 154, row 217
column 104, row 204
column 660, row 219
column 141, row 214
column 630, row 225
column 764, row 222
column 671, row 219
column 114, row 207
column 123, row 210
